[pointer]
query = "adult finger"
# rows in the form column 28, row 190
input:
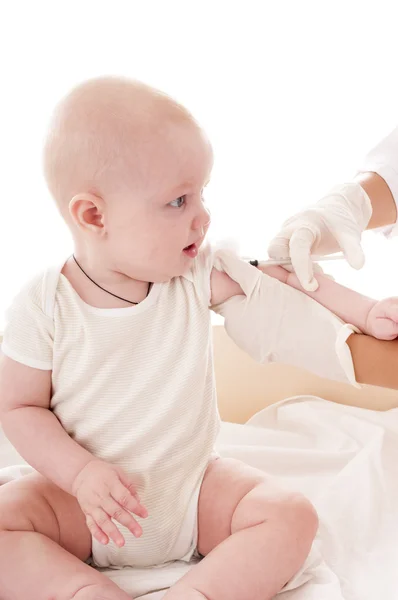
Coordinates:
column 300, row 246
column 351, row 248
column 278, row 248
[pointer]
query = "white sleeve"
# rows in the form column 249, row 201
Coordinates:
column 383, row 160
column 28, row 335
column 274, row 322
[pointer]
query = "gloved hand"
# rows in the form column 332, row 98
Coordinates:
column 334, row 223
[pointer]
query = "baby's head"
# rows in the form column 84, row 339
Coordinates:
column 127, row 166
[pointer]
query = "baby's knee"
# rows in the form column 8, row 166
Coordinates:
column 292, row 511
column 23, row 507
column 300, row 516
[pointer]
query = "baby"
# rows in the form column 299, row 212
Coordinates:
column 106, row 379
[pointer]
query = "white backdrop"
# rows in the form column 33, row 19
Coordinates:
column 291, row 93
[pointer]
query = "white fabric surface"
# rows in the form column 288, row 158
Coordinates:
column 344, row 459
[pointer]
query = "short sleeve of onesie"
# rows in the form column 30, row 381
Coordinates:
column 28, row 335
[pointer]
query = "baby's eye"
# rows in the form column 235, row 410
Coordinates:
column 178, row 202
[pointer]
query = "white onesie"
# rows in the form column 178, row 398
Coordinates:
column 135, row 386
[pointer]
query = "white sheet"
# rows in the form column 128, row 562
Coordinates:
column 344, row 459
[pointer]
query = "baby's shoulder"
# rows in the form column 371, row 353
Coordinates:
column 37, row 292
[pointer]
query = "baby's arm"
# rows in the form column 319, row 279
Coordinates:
column 102, row 490
column 376, row 318
column 260, row 334
column 33, row 429
column 375, row 360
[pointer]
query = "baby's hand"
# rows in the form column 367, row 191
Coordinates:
column 382, row 321
column 105, row 492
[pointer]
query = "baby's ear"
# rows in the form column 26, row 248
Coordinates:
column 87, row 212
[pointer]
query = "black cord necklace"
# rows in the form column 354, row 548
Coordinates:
column 107, row 291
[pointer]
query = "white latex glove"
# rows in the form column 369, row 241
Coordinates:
column 334, row 223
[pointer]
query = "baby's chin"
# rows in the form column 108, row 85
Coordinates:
column 182, row 270
column 165, row 278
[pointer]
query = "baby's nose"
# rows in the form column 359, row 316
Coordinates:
column 202, row 221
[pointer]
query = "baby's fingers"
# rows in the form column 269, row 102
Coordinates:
column 106, row 525
column 95, row 531
column 385, row 329
column 119, row 514
column 100, row 520
column 128, row 499
column 391, row 309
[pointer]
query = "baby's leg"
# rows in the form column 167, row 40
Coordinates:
column 254, row 536
column 43, row 543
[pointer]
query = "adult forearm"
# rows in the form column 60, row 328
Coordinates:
column 375, row 361
column 384, row 209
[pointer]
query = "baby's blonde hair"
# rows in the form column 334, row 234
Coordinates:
column 99, row 133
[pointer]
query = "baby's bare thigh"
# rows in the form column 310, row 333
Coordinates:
column 226, row 482
column 33, row 503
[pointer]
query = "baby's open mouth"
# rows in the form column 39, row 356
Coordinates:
column 191, row 250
